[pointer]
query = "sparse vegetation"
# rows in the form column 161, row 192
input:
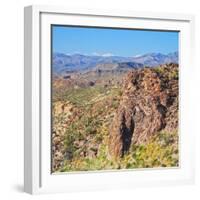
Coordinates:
column 167, row 73
column 160, row 151
column 84, row 129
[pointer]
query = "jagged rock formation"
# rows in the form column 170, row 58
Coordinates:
column 149, row 104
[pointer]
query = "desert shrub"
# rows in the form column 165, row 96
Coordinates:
column 173, row 74
column 160, row 151
column 167, row 73
column 90, row 132
column 159, row 70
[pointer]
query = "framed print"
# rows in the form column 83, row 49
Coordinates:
column 107, row 99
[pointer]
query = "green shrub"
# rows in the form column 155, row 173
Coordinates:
column 92, row 127
column 160, row 151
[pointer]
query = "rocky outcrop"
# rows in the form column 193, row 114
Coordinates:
column 62, row 114
column 149, row 104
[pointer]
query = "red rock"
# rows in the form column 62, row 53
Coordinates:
column 149, row 104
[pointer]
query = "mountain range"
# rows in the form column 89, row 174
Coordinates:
column 64, row 63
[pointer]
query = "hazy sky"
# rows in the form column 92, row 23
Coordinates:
column 120, row 42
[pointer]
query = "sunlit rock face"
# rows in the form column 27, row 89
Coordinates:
column 149, row 104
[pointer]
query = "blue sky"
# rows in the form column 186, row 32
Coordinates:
column 120, row 42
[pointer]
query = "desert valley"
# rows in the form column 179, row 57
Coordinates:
column 113, row 112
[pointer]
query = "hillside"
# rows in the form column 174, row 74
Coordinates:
column 149, row 104
column 116, row 122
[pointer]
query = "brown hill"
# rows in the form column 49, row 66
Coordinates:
column 149, row 104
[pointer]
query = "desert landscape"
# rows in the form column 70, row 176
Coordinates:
column 116, row 114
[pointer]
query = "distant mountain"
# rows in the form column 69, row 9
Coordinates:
column 154, row 59
column 63, row 63
column 77, row 62
column 110, row 69
column 116, row 67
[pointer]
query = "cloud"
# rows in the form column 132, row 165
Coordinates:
column 102, row 54
column 136, row 56
column 95, row 54
column 107, row 54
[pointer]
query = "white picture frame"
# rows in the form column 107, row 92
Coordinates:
column 37, row 156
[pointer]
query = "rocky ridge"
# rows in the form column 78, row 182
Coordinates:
column 149, row 104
